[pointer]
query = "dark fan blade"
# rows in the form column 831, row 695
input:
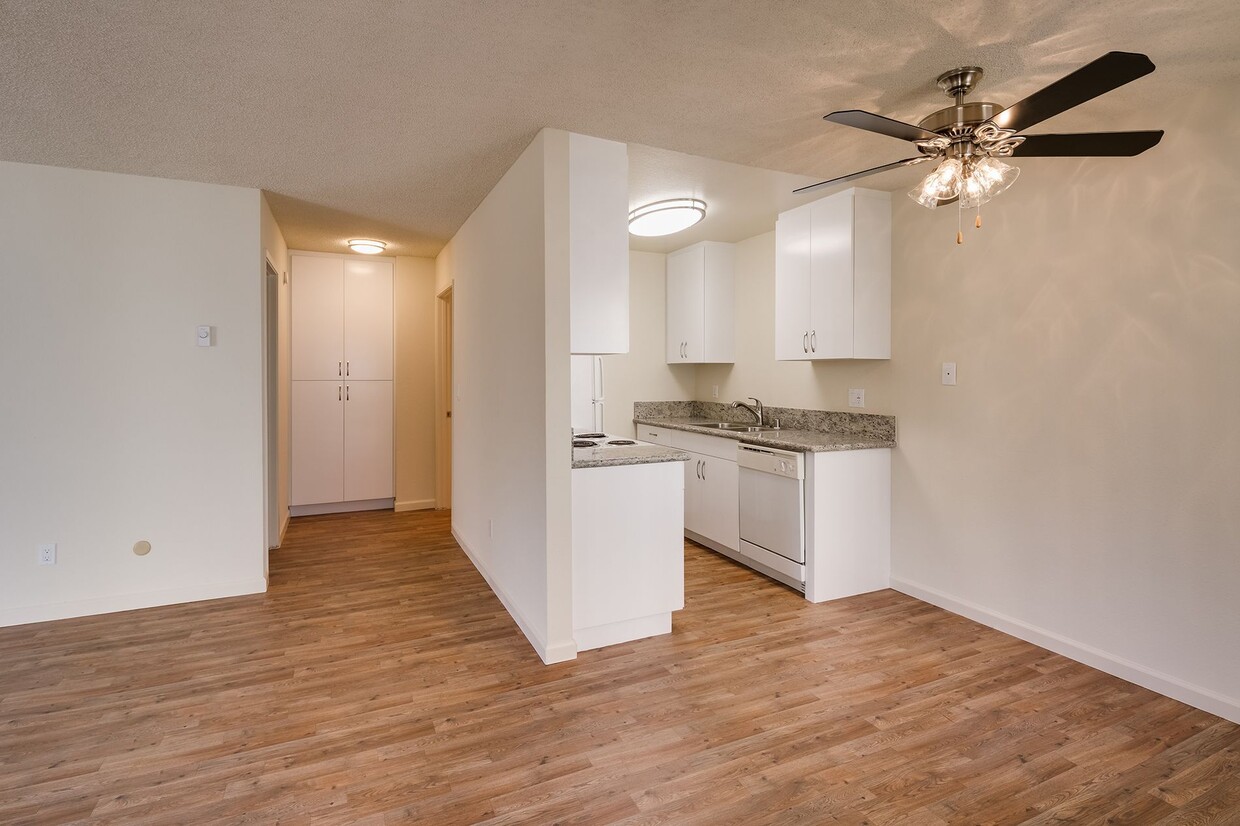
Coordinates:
column 1108, row 72
column 883, row 126
column 863, row 173
column 1090, row 144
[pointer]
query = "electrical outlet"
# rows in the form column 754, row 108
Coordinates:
column 949, row 372
column 856, row 398
column 47, row 553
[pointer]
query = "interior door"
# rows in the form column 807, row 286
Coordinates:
column 367, row 319
column 368, row 441
column 317, row 325
column 317, row 443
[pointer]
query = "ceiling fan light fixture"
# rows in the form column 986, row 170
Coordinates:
column 666, row 217
column 367, row 246
column 943, row 184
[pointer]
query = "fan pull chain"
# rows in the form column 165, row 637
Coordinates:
column 978, row 222
column 959, row 234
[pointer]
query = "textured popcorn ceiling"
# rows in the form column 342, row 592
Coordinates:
column 394, row 119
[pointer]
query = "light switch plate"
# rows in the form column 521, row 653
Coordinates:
column 856, row 398
column 949, row 372
column 204, row 335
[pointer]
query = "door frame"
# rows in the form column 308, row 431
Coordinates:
column 443, row 399
column 271, row 406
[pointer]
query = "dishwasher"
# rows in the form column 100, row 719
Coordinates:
column 772, row 512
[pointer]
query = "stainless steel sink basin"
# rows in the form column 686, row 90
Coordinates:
column 733, row 427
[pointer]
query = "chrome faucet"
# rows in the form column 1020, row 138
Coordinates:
column 755, row 409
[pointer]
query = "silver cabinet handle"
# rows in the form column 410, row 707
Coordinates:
column 703, row 470
column 338, row 392
column 805, row 342
column 346, row 368
column 339, row 371
column 346, row 392
column 699, row 468
column 813, row 341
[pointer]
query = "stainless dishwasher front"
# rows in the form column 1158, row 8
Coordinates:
column 772, row 512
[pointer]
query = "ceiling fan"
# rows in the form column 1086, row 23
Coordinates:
column 969, row 138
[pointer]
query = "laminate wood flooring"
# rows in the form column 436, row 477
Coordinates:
column 379, row 681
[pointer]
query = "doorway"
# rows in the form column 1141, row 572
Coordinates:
column 271, row 405
column 443, row 402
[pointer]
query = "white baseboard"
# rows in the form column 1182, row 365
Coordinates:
column 415, row 505
column 549, row 654
column 129, row 602
column 1194, row 695
column 342, row 507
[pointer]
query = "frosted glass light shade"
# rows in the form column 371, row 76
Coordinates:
column 666, row 217
column 942, row 184
column 366, row 246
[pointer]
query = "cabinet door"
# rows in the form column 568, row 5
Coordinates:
column 719, row 304
column 317, row 318
column 694, row 518
column 368, row 440
column 367, row 319
column 685, row 300
column 317, row 443
column 792, row 267
column 721, row 503
column 831, row 278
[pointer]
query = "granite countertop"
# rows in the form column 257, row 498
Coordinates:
column 801, row 441
column 638, row 454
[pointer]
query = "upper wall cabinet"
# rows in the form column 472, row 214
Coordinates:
column 341, row 318
column 700, row 304
column 833, row 278
column 598, row 245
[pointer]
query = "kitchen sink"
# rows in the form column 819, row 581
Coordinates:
column 734, row 427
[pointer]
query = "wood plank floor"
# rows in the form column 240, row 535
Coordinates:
column 379, row 681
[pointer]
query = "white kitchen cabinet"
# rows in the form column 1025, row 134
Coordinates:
column 701, row 325
column 833, row 278
column 598, row 245
column 341, row 442
column 847, row 523
column 712, row 506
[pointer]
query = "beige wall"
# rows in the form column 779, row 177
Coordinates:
column 643, row 374
column 118, row 428
column 414, row 374
column 1083, row 479
column 275, row 248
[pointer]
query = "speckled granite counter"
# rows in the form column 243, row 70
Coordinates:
column 639, row 454
column 806, row 431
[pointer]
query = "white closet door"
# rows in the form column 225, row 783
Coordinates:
column 317, row 318
column 317, row 443
column 367, row 319
column 368, row 440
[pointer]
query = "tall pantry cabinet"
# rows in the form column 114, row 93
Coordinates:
column 342, row 423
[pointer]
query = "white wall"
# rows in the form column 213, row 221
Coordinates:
column 117, row 427
column 1081, row 485
column 511, row 456
column 643, row 374
column 414, row 372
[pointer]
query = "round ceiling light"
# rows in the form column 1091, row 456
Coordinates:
column 666, row 217
column 367, row 246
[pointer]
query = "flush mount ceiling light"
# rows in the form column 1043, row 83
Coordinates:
column 666, row 217
column 968, row 139
column 366, row 246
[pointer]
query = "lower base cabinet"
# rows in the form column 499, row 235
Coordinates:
column 341, row 442
column 711, row 499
